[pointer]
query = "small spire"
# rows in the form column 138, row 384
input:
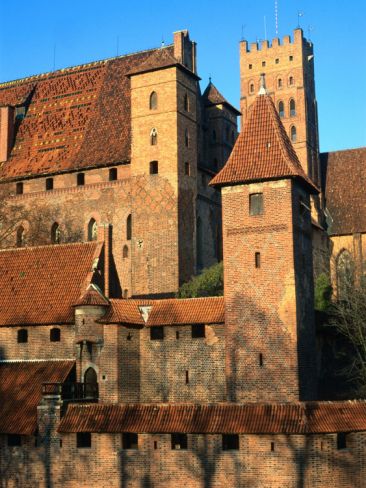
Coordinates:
column 263, row 89
column 209, row 79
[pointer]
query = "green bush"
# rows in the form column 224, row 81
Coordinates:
column 209, row 283
column 323, row 292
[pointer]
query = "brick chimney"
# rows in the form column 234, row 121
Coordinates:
column 185, row 50
column 6, row 131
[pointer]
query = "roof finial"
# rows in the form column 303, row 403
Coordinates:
column 263, row 89
column 209, row 79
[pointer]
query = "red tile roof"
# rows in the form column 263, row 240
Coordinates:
column 250, row 418
column 208, row 310
column 76, row 118
column 21, row 392
column 344, row 183
column 262, row 151
column 39, row 285
column 212, row 96
column 92, row 296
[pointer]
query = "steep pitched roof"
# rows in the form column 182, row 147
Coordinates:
column 21, row 392
column 344, row 183
column 39, row 285
column 76, row 118
column 174, row 311
column 262, row 151
column 212, row 96
column 92, row 296
column 250, row 418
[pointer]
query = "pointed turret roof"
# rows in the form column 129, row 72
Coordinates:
column 263, row 150
column 92, row 296
column 212, row 96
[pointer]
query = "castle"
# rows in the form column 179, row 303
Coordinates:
column 119, row 181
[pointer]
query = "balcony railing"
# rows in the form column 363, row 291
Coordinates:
column 74, row 392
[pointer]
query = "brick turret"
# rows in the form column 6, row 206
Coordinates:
column 270, row 338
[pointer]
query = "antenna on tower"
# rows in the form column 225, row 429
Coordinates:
column 276, row 16
column 299, row 14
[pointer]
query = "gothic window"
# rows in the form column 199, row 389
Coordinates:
column 153, row 101
column 125, row 252
column 251, row 88
column 186, row 103
column 154, row 167
column 55, row 334
column 281, row 109
column 279, row 82
column 293, row 134
column 153, row 137
column 19, row 188
column 55, row 234
column 291, row 80
column 20, row 236
column 129, row 228
column 256, row 204
column 292, row 108
column 345, row 273
column 186, row 138
column 91, row 383
column 92, row 230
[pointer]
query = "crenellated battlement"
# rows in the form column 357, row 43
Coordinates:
column 298, row 40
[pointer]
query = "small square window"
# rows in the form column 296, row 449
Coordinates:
column 156, row 333
column 14, row 440
column 22, row 336
column 230, row 442
column 55, row 335
column 198, row 331
column 250, row 66
column 256, row 204
column 273, row 447
column 112, row 174
column 19, row 188
column 130, row 440
column 154, row 167
column 49, row 184
column 179, row 441
column 83, row 440
column 291, row 58
column 277, row 61
column 80, row 179
column 187, row 169
column 263, row 63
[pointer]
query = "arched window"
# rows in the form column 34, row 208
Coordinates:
column 214, row 136
column 345, row 273
column 186, row 103
column 281, row 109
column 186, row 138
column 129, row 228
column 292, row 108
column 291, row 80
column 55, row 234
column 20, row 236
column 279, row 82
column 153, row 101
column 91, row 383
column 199, row 240
column 153, row 137
column 251, row 88
column 92, row 230
column 125, row 252
column 55, row 334
column 293, row 134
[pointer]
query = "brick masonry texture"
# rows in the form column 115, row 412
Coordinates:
column 172, row 372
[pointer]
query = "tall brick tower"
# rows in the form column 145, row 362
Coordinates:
column 289, row 70
column 270, row 338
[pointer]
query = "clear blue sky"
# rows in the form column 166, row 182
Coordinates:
column 88, row 30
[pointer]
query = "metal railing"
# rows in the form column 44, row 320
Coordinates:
column 87, row 392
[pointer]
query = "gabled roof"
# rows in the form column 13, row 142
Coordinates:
column 249, row 418
column 92, row 296
column 211, row 96
column 21, row 392
column 262, row 151
column 174, row 311
column 344, row 183
column 75, row 118
column 39, row 285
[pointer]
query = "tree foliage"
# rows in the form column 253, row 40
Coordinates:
column 323, row 292
column 207, row 284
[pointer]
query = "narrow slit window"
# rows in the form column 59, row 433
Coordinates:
column 125, row 252
column 256, row 204
column 292, row 108
column 279, row 82
column 153, row 101
column 186, row 138
column 272, row 446
column 83, row 440
column 49, row 184
column 20, row 236
column 291, row 80
column 341, row 440
column 177, row 334
column 257, row 259
column 156, row 333
column 129, row 228
column 281, row 109
column 154, row 167
column 230, row 442
column 19, row 188
column 187, row 169
column 80, row 179
column 260, row 359
column 187, row 377
column 113, row 174
column 251, row 88
column 130, row 440
column 153, row 137
column 179, row 441
column 186, row 103
column 293, row 134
